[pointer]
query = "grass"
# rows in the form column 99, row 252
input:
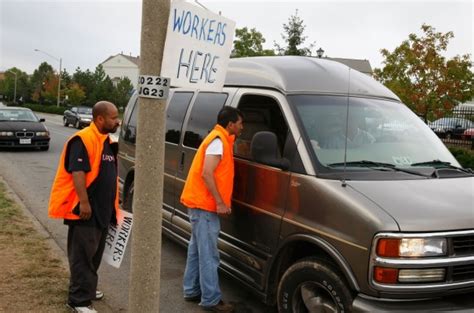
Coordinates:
column 32, row 278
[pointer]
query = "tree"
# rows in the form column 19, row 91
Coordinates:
column 75, row 94
column 85, row 79
column 38, row 79
column 427, row 82
column 249, row 43
column 50, row 88
column 7, row 85
column 294, row 38
column 122, row 92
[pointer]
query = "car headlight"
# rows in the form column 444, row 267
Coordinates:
column 42, row 134
column 6, row 134
column 411, row 247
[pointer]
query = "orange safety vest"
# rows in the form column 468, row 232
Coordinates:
column 195, row 193
column 63, row 198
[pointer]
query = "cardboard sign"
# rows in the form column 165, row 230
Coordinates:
column 197, row 48
column 117, row 239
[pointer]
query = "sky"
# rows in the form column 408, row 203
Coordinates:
column 85, row 33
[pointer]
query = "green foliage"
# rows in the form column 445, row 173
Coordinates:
column 465, row 157
column 418, row 73
column 7, row 85
column 38, row 79
column 249, row 43
column 75, row 94
column 53, row 109
column 293, row 37
column 122, row 92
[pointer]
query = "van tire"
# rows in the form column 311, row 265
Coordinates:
column 312, row 285
column 128, row 200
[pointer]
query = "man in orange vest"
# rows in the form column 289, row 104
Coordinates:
column 207, row 193
column 84, row 194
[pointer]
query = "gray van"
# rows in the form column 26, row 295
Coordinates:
column 344, row 200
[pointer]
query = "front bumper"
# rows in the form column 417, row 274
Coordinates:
column 459, row 304
column 15, row 142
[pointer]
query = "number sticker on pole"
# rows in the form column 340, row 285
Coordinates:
column 155, row 87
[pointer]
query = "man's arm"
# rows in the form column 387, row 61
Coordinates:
column 79, row 179
column 210, row 164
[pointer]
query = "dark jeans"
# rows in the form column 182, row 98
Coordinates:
column 85, row 246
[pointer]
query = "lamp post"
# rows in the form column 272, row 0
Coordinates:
column 320, row 52
column 59, row 74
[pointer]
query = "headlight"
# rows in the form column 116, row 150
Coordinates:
column 85, row 119
column 42, row 134
column 6, row 134
column 411, row 247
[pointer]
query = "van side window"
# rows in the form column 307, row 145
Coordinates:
column 203, row 117
column 131, row 128
column 260, row 114
column 175, row 115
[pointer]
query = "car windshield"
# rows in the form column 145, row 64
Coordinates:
column 17, row 115
column 84, row 111
column 381, row 131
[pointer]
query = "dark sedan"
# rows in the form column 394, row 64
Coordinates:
column 450, row 127
column 20, row 127
column 78, row 117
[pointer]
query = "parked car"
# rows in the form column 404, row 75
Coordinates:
column 21, row 128
column 468, row 134
column 450, row 127
column 79, row 117
column 375, row 225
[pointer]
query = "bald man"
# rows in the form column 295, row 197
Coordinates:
column 84, row 194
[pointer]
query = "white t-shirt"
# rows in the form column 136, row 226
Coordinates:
column 215, row 147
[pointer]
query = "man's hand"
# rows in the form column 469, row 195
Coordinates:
column 223, row 209
column 85, row 211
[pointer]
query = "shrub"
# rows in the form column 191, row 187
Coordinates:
column 46, row 108
column 465, row 157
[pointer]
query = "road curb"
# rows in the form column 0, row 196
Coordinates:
column 56, row 250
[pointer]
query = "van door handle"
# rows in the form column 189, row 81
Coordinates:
column 181, row 163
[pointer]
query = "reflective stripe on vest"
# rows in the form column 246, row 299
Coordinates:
column 195, row 193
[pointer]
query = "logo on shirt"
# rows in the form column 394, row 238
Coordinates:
column 79, row 160
column 108, row 158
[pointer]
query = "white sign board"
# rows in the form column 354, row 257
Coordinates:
column 117, row 239
column 197, row 48
column 155, row 87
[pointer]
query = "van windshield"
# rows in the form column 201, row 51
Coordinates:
column 381, row 131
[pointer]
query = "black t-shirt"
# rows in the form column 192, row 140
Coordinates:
column 102, row 191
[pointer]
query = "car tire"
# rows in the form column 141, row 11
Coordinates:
column 128, row 198
column 65, row 122
column 77, row 124
column 312, row 285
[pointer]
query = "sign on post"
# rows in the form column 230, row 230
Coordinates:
column 155, row 87
column 117, row 238
column 197, row 48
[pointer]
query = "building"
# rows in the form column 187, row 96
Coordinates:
column 120, row 65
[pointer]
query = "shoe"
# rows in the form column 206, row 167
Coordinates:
column 196, row 298
column 220, row 307
column 98, row 295
column 83, row 309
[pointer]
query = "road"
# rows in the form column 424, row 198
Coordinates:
column 30, row 174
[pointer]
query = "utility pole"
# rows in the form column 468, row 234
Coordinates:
column 144, row 290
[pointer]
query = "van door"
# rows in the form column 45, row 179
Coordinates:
column 200, row 120
column 260, row 191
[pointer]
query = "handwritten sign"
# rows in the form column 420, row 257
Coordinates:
column 117, row 239
column 197, row 48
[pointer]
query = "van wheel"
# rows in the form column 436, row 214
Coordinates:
column 128, row 201
column 77, row 124
column 313, row 286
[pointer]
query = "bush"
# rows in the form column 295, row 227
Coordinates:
column 465, row 157
column 46, row 108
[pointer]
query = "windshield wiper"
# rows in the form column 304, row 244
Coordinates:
column 378, row 166
column 437, row 164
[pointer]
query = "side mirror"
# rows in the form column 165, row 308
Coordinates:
column 264, row 149
column 42, row 120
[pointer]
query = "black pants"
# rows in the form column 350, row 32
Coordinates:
column 85, row 246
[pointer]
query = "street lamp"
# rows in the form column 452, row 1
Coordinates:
column 16, row 77
column 320, row 52
column 59, row 74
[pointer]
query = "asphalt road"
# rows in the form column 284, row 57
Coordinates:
column 30, row 174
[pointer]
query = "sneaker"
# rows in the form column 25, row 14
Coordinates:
column 196, row 298
column 220, row 307
column 98, row 295
column 83, row 309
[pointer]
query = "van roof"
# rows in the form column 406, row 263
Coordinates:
column 297, row 74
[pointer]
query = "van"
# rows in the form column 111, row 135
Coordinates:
column 344, row 200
